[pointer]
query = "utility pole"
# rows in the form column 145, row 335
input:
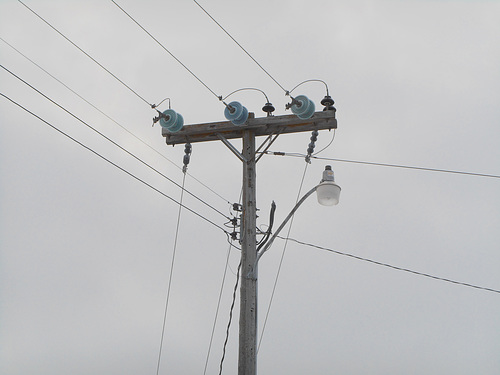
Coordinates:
column 271, row 127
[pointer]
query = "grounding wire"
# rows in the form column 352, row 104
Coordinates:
column 385, row 164
column 170, row 53
column 111, row 141
column 113, row 120
column 239, row 45
column 281, row 263
column 391, row 266
column 114, row 164
column 171, row 274
column 86, row 54
column 217, row 309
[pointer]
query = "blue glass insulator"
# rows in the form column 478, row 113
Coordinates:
column 243, row 117
column 309, row 112
column 236, row 113
column 179, row 123
column 172, row 120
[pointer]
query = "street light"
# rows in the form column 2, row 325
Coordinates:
column 328, row 193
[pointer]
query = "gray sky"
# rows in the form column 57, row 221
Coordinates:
column 86, row 249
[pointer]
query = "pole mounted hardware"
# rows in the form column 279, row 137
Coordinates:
column 263, row 126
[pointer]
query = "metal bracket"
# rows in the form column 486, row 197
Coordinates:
column 271, row 141
column 231, row 147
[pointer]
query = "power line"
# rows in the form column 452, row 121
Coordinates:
column 170, row 53
column 114, row 164
column 393, row 267
column 171, row 275
column 298, row 155
column 113, row 120
column 86, row 54
column 239, row 45
column 111, row 141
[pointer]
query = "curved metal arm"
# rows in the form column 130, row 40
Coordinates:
column 287, row 219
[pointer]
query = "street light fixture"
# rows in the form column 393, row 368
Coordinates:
column 328, row 193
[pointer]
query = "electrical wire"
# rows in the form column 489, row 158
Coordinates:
column 328, row 145
column 86, row 54
column 275, row 153
column 239, row 45
column 171, row 274
column 170, row 53
column 391, row 266
column 114, row 164
column 230, row 319
column 217, row 309
column 281, row 262
column 312, row 80
column 111, row 141
column 116, row 122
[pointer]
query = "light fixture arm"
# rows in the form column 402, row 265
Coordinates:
column 287, row 219
column 326, row 197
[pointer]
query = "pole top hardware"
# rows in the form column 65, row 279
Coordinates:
column 262, row 126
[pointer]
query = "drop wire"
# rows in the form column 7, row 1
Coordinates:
column 217, row 309
column 391, row 266
column 299, row 155
column 171, row 274
column 281, row 262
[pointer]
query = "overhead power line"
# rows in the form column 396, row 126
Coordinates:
column 298, row 155
column 113, row 120
column 86, row 54
column 393, row 267
column 115, row 165
column 113, row 142
column 239, row 45
column 170, row 53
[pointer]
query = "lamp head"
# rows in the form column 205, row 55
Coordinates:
column 328, row 191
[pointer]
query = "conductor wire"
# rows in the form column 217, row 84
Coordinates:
column 113, row 164
column 86, row 54
column 170, row 53
column 110, row 140
column 239, row 45
column 113, row 120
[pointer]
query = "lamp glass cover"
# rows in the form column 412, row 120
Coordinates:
column 328, row 193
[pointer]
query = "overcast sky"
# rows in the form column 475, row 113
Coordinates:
column 86, row 249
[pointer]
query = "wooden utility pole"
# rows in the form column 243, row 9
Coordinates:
column 271, row 127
